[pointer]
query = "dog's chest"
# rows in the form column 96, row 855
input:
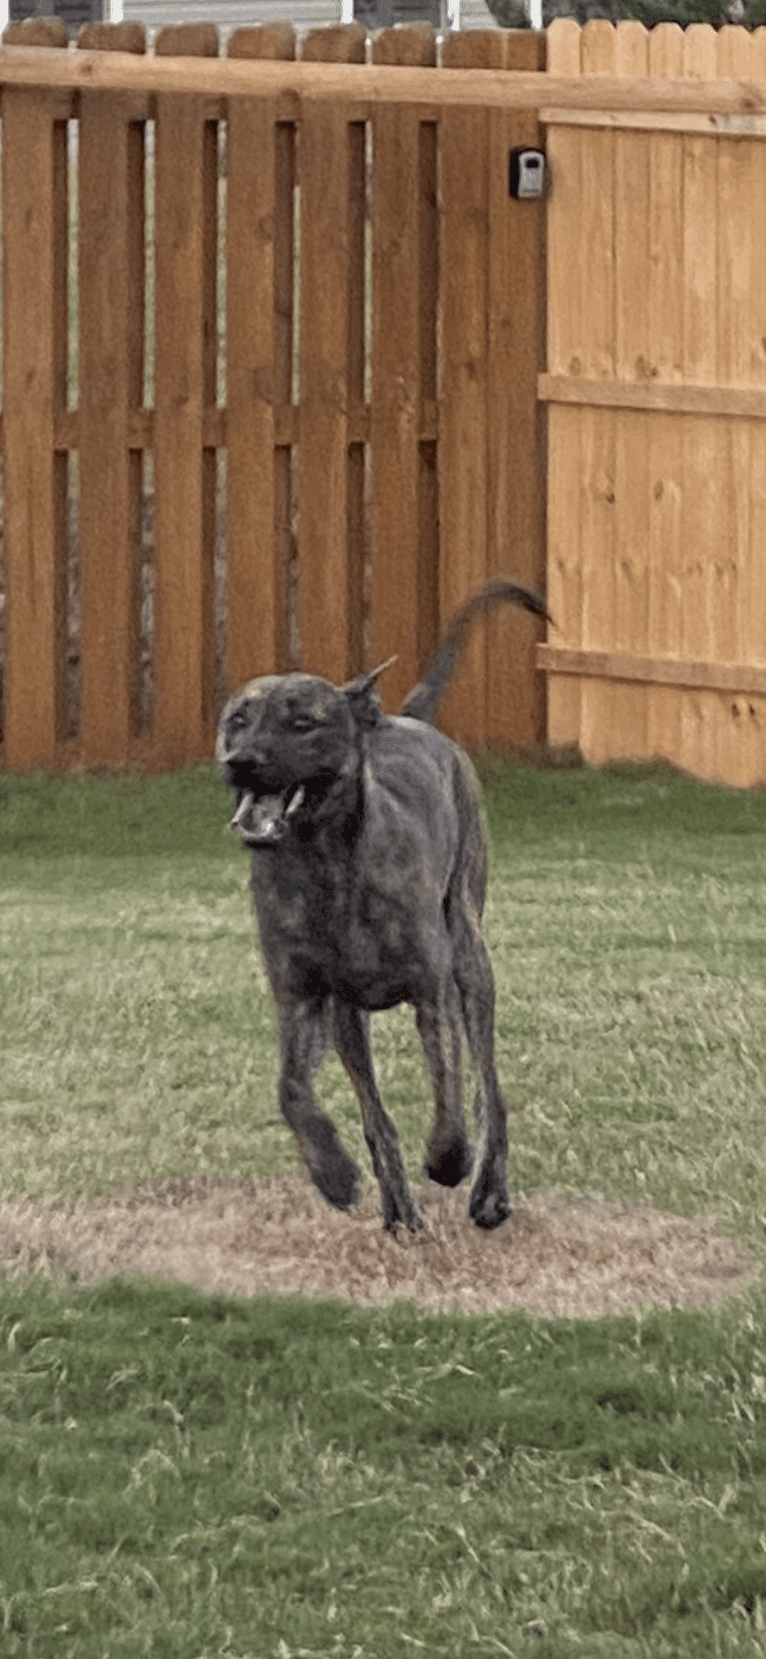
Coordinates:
column 332, row 928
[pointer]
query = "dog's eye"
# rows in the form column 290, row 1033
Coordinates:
column 302, row 723
column 237, row 720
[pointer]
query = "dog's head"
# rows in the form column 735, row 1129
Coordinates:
column 289, row 744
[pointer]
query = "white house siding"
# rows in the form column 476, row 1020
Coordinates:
column 474, row 14
column 236, row 14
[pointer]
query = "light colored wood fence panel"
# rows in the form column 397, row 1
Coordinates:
column 740, row 721
column 672, row 575
column 665, row 326
column 596, row 464
column 597, row 219
column 34, row 174
column 706, row 529
column 632, row 361
column 185, row 334
column 666, row 556
column 111, row 338
column 564, row 357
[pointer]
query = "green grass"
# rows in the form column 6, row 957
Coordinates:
column 186, row 1475
column 191, row 1476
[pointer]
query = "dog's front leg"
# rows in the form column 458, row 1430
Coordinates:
column 303, row 1032
column 353, row 1045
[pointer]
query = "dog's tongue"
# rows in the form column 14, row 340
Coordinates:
column 265, row 818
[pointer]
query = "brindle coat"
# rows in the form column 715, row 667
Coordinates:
column 369, row 872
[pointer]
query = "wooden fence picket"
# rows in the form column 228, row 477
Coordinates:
column 259, row 372
column 463, row 436
column 665, row 326
column 111, row 343
column 403, row 564
column 516, row 311
column 186, row 174
column 331, row 334
column 35, row 203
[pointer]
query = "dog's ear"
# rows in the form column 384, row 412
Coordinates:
column 363, row 698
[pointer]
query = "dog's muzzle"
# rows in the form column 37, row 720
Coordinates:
column 265, row 820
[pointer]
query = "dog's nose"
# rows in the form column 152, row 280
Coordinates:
column 237, row 753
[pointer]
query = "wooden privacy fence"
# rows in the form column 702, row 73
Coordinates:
column 271, row 339
column 656, row 389
column 275, row 373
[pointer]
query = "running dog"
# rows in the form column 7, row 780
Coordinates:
column 369, row 872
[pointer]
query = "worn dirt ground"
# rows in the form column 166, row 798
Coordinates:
column 557, row 1257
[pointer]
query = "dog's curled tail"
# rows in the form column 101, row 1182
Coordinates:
column 423, row 700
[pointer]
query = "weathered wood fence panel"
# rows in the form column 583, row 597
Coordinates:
column 299, row 421
column 656, row 388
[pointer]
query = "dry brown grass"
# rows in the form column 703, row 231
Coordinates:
column 558, row 1257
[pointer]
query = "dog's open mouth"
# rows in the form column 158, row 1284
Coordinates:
column 263, row 820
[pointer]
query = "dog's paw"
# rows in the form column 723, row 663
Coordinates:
column 449, row 1165
column 401, row 1212
column 339, row 1180
column 490, row 1204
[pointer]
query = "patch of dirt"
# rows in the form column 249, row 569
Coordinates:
column 557, row 1257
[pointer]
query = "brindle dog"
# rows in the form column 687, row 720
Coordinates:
column 369, row 871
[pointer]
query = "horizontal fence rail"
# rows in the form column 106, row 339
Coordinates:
column 269, row 379
column 366, row 85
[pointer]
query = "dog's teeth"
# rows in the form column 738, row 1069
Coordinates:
column 243, row 809
column 296, row 801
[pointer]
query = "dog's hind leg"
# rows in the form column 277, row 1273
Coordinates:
column 490, row 1201
column 353, row 1045
column 305, row 1038
column 449, row 1155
